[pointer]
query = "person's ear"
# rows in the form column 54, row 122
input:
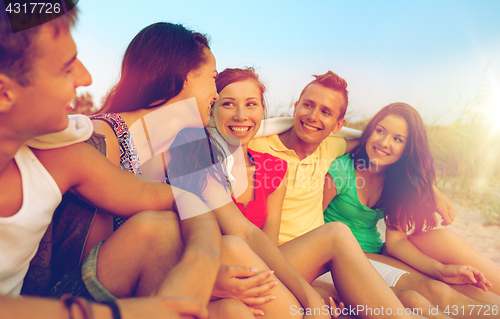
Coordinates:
column 295, row 105
column 338, row 126
column 7, row 94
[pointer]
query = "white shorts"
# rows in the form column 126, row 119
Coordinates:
column 390, row 274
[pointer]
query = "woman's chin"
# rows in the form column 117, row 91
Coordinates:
column 231, row 140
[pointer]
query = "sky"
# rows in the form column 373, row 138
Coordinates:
column 434, row 55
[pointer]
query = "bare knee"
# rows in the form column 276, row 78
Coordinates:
column 235, row 251
column 154, row 228
column 231, row 243
column 411, row 299
column 437, row 291
column 337, row 232
column 434, row 235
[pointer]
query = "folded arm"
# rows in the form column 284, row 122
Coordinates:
column 400, row 247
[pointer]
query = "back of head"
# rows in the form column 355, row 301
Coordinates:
column 155, row 66
column 18, row 50
column 332, row 81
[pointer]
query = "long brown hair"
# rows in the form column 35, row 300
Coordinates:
column 155, row 66
column 407, row 197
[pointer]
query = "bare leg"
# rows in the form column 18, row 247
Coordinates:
column 418, row 304
column 333, row 247
column 136, row 258
column 101, row 229
column 228, row 309
column 454, row 250
column 437, row 292
column 235, row 252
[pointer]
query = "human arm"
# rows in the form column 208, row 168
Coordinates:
column 112, row 145
column 350, row 144
column 137, row 308
column 329, row 190
column 399, row 246
column 444, row 207
column 86, row 172
column 274, row 205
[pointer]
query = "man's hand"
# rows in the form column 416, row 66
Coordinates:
column 245, row 284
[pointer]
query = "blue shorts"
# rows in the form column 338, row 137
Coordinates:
column 83, row 282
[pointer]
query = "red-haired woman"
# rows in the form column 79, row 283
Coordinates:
column 390, row 175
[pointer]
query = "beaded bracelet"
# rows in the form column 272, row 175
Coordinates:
column 83, row 305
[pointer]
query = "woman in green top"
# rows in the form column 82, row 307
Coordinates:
column 391, row 171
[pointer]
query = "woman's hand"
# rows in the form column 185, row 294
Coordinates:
column 462, row 275
column 245, row 284
column 329, row 295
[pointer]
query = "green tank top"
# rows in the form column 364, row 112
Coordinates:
column 346, row 208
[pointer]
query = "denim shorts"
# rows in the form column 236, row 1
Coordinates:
column 83, row 282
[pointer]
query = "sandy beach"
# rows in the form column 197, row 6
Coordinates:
column 470, row 226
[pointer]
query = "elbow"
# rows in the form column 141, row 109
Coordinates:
column 390, row 246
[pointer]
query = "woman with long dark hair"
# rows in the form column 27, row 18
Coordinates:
column 390, row 175
column 167, row 85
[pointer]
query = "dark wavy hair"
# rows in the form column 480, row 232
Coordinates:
column 407, row 198
column 155, row 66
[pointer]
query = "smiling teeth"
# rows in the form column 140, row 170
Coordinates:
column 309, row 127
column 239, row 128
column 380, row 152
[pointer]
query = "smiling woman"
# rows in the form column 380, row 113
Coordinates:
column 387, row 143
column 239, row 110
column 394, row 162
